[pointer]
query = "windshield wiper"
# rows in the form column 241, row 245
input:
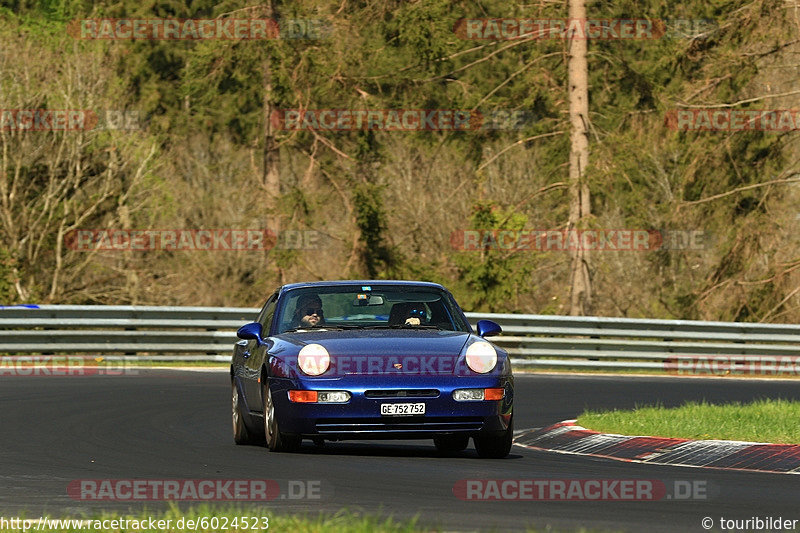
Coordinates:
column 322, row 327
column 405, row 326
column 311, row 328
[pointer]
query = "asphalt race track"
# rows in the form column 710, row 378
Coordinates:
column 166, row 424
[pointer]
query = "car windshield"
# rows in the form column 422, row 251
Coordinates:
column 363, row 306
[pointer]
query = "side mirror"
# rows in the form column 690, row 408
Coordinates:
column 487, row 328
column 251, row 331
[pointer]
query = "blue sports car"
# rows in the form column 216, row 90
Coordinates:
column 370, row 360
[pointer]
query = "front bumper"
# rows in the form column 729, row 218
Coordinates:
column 360, row 417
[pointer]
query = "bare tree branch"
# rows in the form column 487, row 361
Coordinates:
column 740, row 189
column 517, row 143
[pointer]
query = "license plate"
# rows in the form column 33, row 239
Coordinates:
column 402, row 409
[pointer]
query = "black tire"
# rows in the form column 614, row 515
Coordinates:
column 276, row 440
column 449, row 444
column 495, row 446
column 241, row 435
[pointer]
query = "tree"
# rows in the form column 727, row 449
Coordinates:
column 580, row 204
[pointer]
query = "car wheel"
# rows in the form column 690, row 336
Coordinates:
column 276, row 441
column 240, row 433
column 451, row 443
column 495, row 446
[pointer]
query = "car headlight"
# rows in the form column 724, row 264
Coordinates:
column 313, row 359
column 481, row 357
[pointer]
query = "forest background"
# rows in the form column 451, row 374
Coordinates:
column 387, row 204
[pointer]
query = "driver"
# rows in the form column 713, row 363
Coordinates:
column 309, row 311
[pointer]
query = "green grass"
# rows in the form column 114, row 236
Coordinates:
column 772, row 421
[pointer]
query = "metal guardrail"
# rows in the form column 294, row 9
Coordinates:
column 208, row 333
column 554, row 341
column 145, row 331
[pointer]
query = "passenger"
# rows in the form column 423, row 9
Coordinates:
column 416, row 316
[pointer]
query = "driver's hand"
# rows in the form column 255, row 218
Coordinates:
column 412, row 321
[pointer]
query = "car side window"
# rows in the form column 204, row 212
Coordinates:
column 265, row 317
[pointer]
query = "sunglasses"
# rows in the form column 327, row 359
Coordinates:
column 308, row 311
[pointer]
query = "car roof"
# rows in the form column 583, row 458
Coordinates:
column 370, row 282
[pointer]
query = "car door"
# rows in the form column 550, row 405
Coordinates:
column 254, row 354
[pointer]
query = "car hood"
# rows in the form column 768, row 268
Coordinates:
column 380, row 351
